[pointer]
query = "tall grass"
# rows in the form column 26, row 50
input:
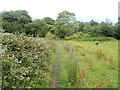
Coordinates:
column 72, row 72
column 100, row 63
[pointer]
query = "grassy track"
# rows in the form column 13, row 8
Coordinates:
column 56, row 66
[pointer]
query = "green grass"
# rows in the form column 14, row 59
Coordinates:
column 99, row 62
column 64, row 60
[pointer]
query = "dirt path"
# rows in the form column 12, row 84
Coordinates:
column 54, row 80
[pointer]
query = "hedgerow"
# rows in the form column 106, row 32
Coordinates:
column 25, row 61
column 98, row 39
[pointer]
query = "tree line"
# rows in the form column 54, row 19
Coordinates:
column 65, row 25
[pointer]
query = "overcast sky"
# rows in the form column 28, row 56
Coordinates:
column 85, row 10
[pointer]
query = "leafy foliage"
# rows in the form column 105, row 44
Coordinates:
column 13, row 21
column 93, row 23
column 49, row 20
column 20, row 16
column 32, row 29
column 66, row 17
column 78, row 35
column 64, row 26
column 49, row 35
column 25, row 61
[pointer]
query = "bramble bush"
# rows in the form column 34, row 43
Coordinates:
column 25, row 61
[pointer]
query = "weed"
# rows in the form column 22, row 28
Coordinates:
column 99, row 85
column 91, row 66
column 81, row 76
column 99, row 54
column 111, row 64
column 72, row 69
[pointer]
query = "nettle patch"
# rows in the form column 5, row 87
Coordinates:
column 25, row 61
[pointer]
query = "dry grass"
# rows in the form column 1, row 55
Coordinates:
column 99, row 85
column 80, row 76
column 99, row 54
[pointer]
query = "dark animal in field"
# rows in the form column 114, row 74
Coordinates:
column 97, row 43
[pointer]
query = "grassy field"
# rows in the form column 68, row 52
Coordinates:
column 100, row 62
column 87, row 65
column 43, row 63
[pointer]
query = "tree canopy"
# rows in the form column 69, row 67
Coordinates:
column 65, row 25
column 13, row 21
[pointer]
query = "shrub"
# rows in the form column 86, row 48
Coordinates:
column 25, row 61
column 49, row 35
column 1, row 30
column 78, row 35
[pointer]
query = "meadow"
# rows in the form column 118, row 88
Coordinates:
column 83, row 64
column 48, row 63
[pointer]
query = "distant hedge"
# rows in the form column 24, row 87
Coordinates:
column 25, row 61
column 97, row 39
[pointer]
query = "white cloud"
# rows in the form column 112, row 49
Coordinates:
column 84, row 9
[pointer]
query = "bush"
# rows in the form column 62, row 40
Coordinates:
column 25, row 61
column 78, row 35
column 1, row 30
column 49, row 35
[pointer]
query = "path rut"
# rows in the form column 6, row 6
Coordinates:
column 54, row 80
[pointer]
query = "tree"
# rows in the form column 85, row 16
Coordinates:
column 47, row 28
column 80, row 25
column 13, row 21
column 49, row 20
column 1, row 28
column 40, row 22
column 87, row 28
column 65, row 24
column 12, row 27
column 66, row 17
column 107, row 29
column 32, row 29
column 93, row 23
column 117, row 29
column 20, row 16
column 43, row 28
column 95, row 31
